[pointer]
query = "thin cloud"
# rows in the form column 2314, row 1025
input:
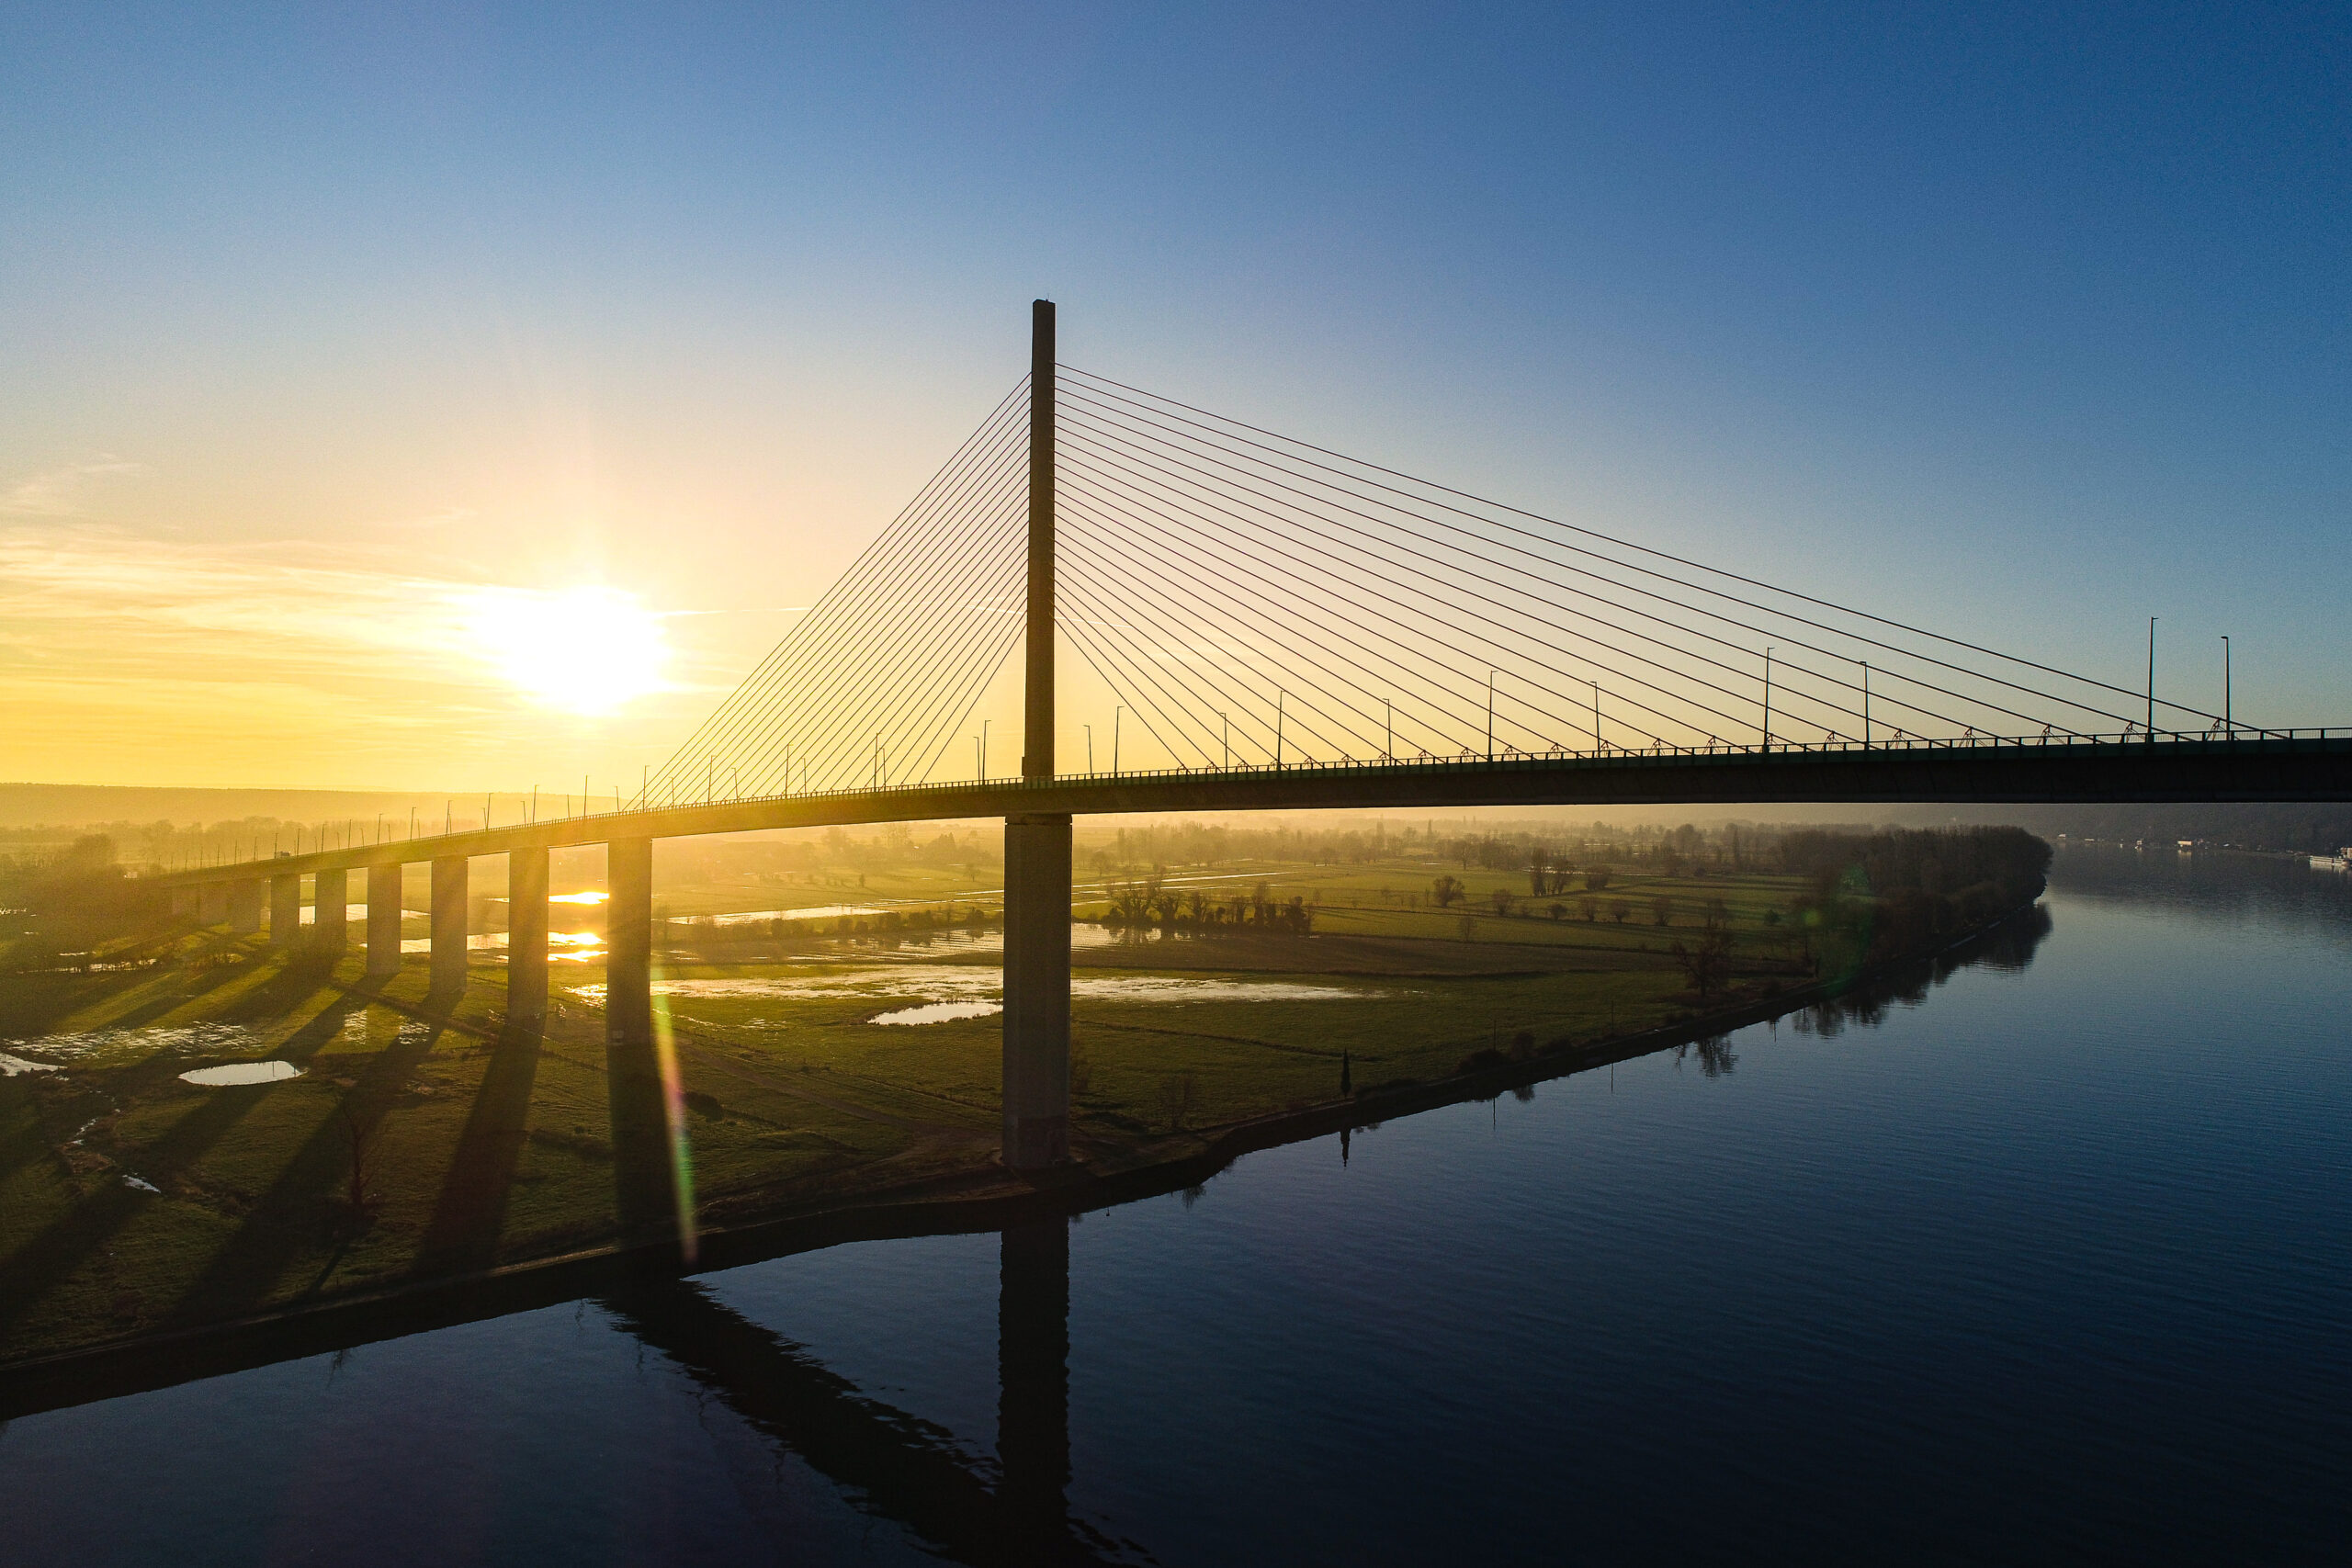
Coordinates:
column 62, row 493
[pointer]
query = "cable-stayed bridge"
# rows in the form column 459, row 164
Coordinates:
column 1274, row 626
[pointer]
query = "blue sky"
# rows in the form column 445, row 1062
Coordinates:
column 2028, row 321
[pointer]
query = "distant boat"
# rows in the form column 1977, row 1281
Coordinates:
column 2332, row 862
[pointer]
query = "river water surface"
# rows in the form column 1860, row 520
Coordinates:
column 2051, row 1262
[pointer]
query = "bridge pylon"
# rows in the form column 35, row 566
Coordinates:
column 1037, row 846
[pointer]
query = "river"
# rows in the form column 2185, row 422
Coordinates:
column 2048, row 1260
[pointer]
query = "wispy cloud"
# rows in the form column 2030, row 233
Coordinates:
column 62, row 492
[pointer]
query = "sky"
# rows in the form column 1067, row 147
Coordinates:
column 464, row 398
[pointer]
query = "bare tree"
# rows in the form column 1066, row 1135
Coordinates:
column 1179, row 1096
column 1707, row 962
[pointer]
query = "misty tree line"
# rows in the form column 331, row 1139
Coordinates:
column 1139, row 906
column 58, row 906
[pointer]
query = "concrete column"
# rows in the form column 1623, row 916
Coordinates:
column 285, row 911
column 644, row 1190
column 384, row 920
column 187, row 904
column 1036, row 991
column 215, row 907
column 628, row 945
column 244, row 907
column 330, row 896
column 526, row 937
column 449, row 925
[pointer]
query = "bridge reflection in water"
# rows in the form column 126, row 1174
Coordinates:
column 901, row 1466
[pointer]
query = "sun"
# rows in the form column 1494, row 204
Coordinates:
column 584, row 651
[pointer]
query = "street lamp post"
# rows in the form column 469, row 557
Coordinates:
column 1227, row 724
column 1089, row 746
column 1767, row 699
column 2228, row 722
column 2152, row 678
column 1490, row 714
column 1116, row 714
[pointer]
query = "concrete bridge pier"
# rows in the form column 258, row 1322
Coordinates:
column 329, row 897
column 215, row 907
column 644, row 1170
column 1036, row 991
column 526, row 937
column 244, row 907
column 285, row 911
column 629, row 949
column 383, row 920
column 449, row 925
column 187, row 904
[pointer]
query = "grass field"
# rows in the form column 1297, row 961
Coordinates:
column 419, row 1138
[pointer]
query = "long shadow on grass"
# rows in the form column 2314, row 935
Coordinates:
column 296, row 1214
column 297, row 980
column 28, row 1275
column 27, row 1015
column 471, row 1212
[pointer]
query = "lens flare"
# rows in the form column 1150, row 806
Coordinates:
column 673, row 1103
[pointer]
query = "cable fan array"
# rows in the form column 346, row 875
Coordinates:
column 867, row 688
column 1257, row 600
column 1263, row 599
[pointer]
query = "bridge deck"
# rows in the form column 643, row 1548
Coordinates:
column 2304, row 765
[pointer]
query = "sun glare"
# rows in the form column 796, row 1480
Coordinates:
column 585, row 651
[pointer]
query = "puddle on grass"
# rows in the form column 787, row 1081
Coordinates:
column 815, row 912
column 974, row 986
column 1154, row 989
column 495, row 942
column 11, row 1065
column 239, row 1072
column 938, row 1013
column 180, row 1039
